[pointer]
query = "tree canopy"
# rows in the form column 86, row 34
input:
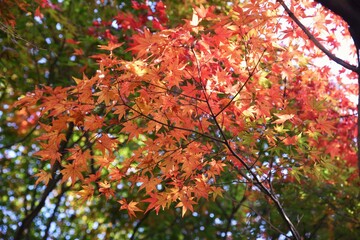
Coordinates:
column 174, row 120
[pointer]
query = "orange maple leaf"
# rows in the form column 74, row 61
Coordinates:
column 105, row 188
column 291, row 140
column 105, row 143
column 186, row 203
column 153, row 203
column 72, row 171
column 201, row 11
column 149, row 184
column 78, row 52
column 130, row 207
column 216, row 191
column 43, row 176
column 92, row 122
column 111, row 46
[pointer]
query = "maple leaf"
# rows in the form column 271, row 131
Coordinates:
column 86, row 192
column 92, row 177
column 201, row 11
column 153, row 200
column 216, row 168
column 80, row 157
column 93, row 122
column 110, row 47
column 72, row 41
column 72, row 171
column 132, row 129
column 325, row 125
column 104, row 143
column 193, row 98
column 120, row 110
column 104, row 161
column 106, row 95
column 38, row 13
column 179, row 134
column 49, row 153
column 43, row 176
column 186, row 203
column 149, row 184
column 216, row 191
column 249, row 112
column 78, row 52
column 116, row 174
column 195, row 20
column 142, row 43
column 130, row 207
column 291, row 140
column 283, row 118
column 201, row 188
column 190, row 164
column 105, row 188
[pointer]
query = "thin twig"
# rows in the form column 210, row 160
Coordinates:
column 233, row 212
column 267, row 221
column 137, row 226
column 254, row 176
column 171, row 126
column 242, row 87
column 21, row 139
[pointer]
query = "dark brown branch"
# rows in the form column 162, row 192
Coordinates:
column 316, row 42
column 26, row 222
column 349, row 10
column 171, row 126
column 138, row 224
column 11, row 33
column 51, row 219
column 257, row 182
column 233, row 212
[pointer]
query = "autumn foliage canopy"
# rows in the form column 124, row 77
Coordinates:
column 234, row 93
column 227, row 96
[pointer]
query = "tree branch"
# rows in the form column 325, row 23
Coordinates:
column 137, row 226
column 349, row 11
column 253, row 175
column 241, row 88
column 267, row 221
column 233, row 212
column 26, row 222
column 21, row 139
column 171, row 126
column 51, row 219
column 316, row 42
